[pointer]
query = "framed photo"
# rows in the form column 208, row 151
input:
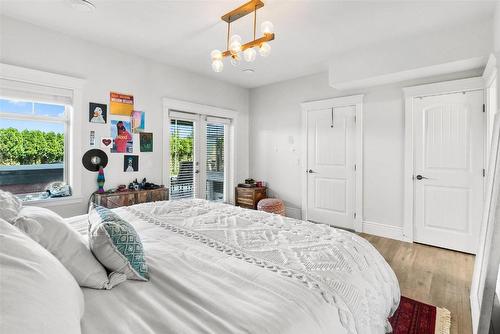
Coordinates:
column 122, row 137
column 130, row 163
column 146, row 141
column 138, row 119
column 121, row 104
column 98, row 113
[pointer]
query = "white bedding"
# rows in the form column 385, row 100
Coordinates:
column 217, row 268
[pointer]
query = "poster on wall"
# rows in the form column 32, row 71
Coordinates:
column 98, row 113
column 121, row 104
column 122, row 137
column 106, row 142
column 130, row 163
column 138, row 119
column 92, row 138
column 146, row 141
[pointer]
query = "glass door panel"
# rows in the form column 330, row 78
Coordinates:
column 182, row 159
column 215, row 171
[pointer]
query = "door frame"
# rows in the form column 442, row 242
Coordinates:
column 411, row 93
column 174, row 105
column 344, row 101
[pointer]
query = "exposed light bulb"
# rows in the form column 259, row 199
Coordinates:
column 266, row 27
column 235, row 60
column 249, row 55
column 235, row 44
column 216, row 55
column 217, row 65
column 265, row 49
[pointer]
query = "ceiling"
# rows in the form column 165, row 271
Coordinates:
column 308, row 33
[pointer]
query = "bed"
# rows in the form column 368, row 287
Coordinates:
column 217, row 268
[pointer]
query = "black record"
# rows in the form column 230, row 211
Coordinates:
column 93, row 159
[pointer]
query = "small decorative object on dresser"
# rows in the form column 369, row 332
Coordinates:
column 249, row 197
column 130, row 197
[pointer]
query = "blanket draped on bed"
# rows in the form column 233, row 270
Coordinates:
column 343, row 267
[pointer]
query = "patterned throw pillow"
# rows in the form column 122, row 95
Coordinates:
column 116, row 244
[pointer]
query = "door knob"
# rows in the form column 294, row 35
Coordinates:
column 310, row 171
column 420, row 177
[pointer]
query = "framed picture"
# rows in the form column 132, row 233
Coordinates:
column 138, row 119
column 122, row 137
column 130, row 163
column 121, row 104
column 98, row 113
column 146, row 141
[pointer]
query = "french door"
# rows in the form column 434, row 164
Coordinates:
column 198, row 156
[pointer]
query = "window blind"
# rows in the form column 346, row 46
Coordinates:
column 25, row 91
column 181, row 159
column 215, row 161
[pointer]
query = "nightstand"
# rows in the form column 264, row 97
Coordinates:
column 249, row 197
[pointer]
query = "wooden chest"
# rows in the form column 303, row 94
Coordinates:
column 249, row 197
column 130, row 197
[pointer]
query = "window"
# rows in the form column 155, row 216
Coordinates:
column 32, row 146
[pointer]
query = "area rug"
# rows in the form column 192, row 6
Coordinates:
column 413, row 317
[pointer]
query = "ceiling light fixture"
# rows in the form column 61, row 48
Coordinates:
column 82, row 5
column 234, row 48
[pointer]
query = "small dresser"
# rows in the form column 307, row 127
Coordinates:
column 130, row 197
column 249, row 197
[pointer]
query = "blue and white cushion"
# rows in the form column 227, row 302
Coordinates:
column 116, row 244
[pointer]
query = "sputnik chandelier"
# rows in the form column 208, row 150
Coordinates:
column 234, row 48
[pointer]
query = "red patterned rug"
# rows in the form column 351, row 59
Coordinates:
column 413, row 317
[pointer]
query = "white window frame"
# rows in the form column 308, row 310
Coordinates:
column 73, row 134
column 171, row 106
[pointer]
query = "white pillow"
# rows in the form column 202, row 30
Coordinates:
column 9, row 206
column 39, row 295
column 67, row 245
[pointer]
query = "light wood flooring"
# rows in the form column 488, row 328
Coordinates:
column 431, row 275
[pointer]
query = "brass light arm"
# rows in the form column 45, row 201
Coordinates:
column 256, row 42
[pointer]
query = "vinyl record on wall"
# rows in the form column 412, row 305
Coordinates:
column 94, row 158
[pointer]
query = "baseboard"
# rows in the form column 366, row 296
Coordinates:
column 384, row 230
column 293, row 212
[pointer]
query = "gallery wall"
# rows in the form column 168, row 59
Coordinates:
column 105, row 70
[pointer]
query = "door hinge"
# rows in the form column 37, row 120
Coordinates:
column 354, row 215
column 484, row 107
column 354, row 167
column 484, row 172
column 354, row 119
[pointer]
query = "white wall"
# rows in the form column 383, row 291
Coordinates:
column 106, row 70
column 433, row 48
column 275, row 124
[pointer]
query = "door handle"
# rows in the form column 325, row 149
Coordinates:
column 310, row 171
column 197, row 171
column 420, row 177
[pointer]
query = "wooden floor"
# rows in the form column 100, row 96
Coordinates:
column 432, row 275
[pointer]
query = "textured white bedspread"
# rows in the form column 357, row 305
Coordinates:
column 217, row 268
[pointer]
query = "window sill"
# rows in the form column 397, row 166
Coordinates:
column 49, row 202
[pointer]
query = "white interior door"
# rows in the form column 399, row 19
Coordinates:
column 448, row 170
column 331, row 166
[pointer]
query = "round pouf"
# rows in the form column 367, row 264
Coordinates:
column 272, row 205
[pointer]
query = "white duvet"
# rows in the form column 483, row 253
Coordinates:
column 217, row 268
